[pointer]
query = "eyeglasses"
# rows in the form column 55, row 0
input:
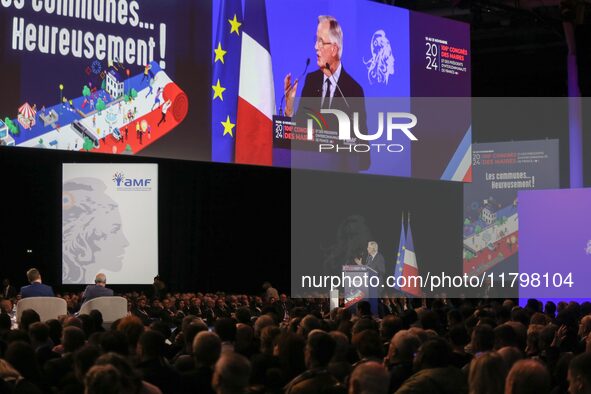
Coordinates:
column 319, row 41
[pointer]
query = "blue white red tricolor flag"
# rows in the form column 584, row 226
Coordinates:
column 406, row 264
column 254, row 135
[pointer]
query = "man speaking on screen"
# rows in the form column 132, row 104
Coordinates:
column 329, row 87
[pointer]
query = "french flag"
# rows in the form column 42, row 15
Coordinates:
column 410, row 267
column 256, row 95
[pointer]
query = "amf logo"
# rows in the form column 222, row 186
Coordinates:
column 122, row 182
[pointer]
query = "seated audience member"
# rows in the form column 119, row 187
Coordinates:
column 221, row 310
column 43, row 345
column 435, row 374
column 399, row 360
column 262, row 322
column 319, row 350
column 458, row 338
column 131, row 381
column 264, row 360
column 169, row 349
column 132, row 327
column 36, row 287
column 55, row 330
column 114, row 342
column 290, row 352
column 21, row 356
column 528, row 376
column 389, row 326
column 5, row 325
column 308, row 324
column 339, row 365
column 369, row 378
column 226, row 330
column 99, row 289
column 483, row 339
column 103, row 379
column 7, row 307
column 207, row 348
column 487, row 374
column 28, row 317
column 59, row 370
column 84, row 359
column 195, row 307
column 183, row 360
column 368, row 346
column 152, row 364
column 510, row 356
column 504, row 336
column 579, row 374
column 231, row 374
column 141, row 311
column 245, row 343
column 11, row 381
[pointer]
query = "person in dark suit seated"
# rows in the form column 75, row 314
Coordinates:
column 99, row 288
column 153, row 366
column 36, row 288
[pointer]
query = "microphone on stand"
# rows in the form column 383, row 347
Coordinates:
column 337, row 85
column 291, row 87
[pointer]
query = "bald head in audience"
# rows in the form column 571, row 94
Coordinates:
column 231, row 374
column 369, row 378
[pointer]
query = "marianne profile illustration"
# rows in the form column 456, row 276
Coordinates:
column 93, row 237
column 381, row 64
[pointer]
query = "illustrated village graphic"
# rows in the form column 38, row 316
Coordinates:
column 119, row 113
column 491, row 237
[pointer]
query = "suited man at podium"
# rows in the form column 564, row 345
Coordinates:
column 375, row 260
column 329, row 87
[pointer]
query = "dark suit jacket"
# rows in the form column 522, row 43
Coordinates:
column 312, row 99
column 94, row 291
column 9, row 292
column 350, row 88
column 378, row 264
column 36, row 290
column 160, row 374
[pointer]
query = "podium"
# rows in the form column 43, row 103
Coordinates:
column 292, row 149
column 356, row 284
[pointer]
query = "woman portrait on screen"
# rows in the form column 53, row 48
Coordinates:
column 92, row 235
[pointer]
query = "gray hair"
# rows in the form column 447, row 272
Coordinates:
column 405, row 344
column 100, row 278
column 334, row 31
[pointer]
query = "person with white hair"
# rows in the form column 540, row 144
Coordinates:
column 329, row 87
column 98, row 289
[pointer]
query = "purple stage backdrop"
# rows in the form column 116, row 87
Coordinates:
column 555, row 243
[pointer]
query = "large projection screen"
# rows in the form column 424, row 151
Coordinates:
column 109, row 223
